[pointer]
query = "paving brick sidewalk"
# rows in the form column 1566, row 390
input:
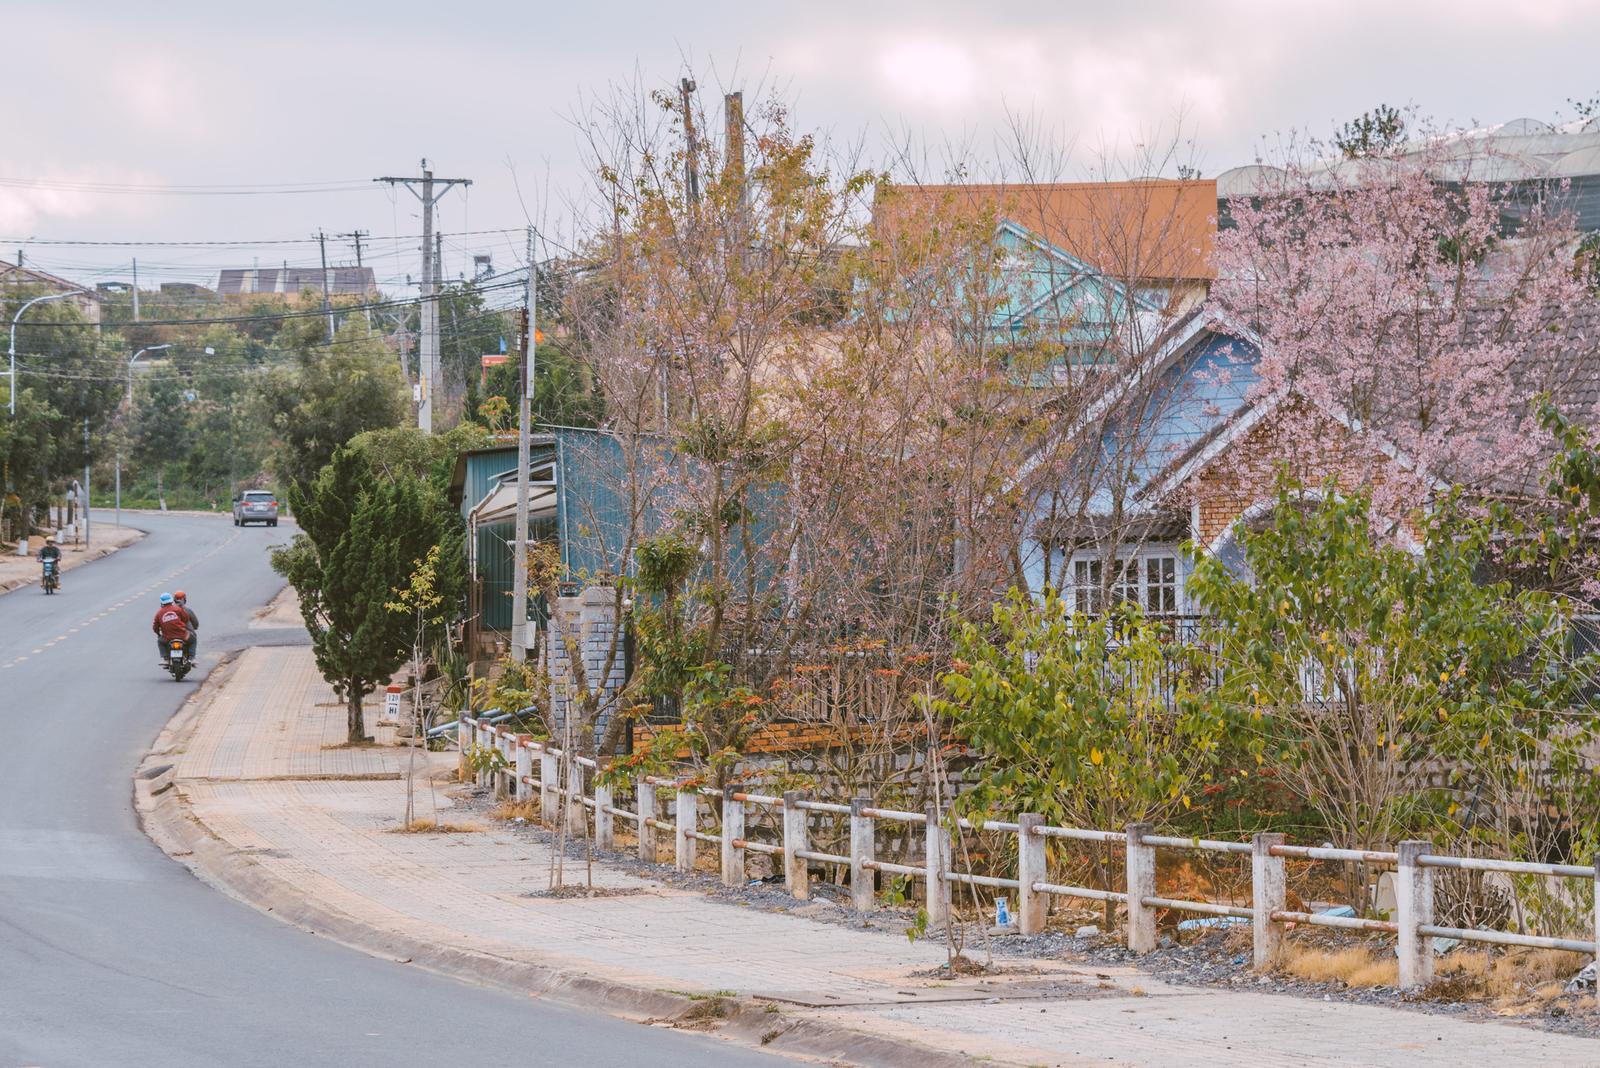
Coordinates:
column 264, row 773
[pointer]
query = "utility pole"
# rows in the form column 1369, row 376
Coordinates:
column 356, row 236
column 424, row 190
column 519, row 573
column 327, row 302
column 136, row 289
column 85, row 501
column 691, row 157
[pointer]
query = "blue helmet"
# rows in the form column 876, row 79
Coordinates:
column 166, row 598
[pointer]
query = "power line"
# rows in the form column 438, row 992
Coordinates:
column 131, row 189
column 241, row 243
column 267, row 316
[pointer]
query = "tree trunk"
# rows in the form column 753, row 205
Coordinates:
column 352, row 703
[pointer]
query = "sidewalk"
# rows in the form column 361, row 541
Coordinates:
column 106, row 539
column 251, row 786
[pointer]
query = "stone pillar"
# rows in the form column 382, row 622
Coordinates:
column 863, row 848
column 1031, row 868
column 524, row 769
column 1413, row 900
column 936, row 859
column 549, row 788
column 604, row 827
column 732, row 831
column 686, row 812
column 796, row 873
column 1268, row 894
column 646, row 793
column 1141, row 884
column 586, row 625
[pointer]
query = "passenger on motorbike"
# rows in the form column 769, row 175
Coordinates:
column 171, row 624
column 181, row 599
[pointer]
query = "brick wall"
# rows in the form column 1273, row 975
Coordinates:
column 1312, row 446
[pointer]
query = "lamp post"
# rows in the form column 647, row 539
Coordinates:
column 12, row 374
column 131, row 362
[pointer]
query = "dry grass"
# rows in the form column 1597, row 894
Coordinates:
column 1355, row 966
column 1515, row 981
column 510, row 810
column 428, row 826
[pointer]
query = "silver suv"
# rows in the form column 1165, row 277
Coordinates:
column 255, row 506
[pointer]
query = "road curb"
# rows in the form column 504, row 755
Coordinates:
column 76, row 562
column 166, row 817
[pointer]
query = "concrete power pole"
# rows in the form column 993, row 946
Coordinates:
column 423, row 189
column 327, row 301
column 691, row 153
column 519, row 573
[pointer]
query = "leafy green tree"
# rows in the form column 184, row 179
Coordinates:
column 565, row 389
column 361, row 538
column 1354, row 661
column 27, row 458
column 1089, row 721
column 161, row 433
column 332, row 393
column 1372, row 133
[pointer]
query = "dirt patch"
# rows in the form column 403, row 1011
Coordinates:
column 582, row 893
column 959, row 967
column 428, row 826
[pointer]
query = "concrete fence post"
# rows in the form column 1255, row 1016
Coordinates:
column 524, row 769
column 1031, row 868
column 796, row 871
column 1413, row 906
column 549, row 788
column 577, row 819
column 936, row 858
column 863, row 848
column 506, row 742
column 1595, row 860
column 480, row 742
column 1268, row 894
column 646, row 796
column 604, row 829
column 732, row 830
column 686, row 814
column 463, row 746
column 1141, row 884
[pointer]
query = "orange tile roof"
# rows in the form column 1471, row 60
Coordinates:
column 1154, row 229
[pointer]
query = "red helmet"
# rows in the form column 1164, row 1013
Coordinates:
column 180, row 596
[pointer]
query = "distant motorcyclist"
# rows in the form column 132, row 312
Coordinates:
column 52, row 551
column 181, row 599
column 171, row 624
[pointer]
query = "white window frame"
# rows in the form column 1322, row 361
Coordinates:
column 1086, row 596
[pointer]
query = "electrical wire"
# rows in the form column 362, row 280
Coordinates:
column 25, row 241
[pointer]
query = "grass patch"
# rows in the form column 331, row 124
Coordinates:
column 510, row 810
column 1355, row 966
column 1516, row 982
column 428, row 826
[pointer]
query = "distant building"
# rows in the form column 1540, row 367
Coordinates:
column 289, row 282
column 1522, row 152
column 13, row 276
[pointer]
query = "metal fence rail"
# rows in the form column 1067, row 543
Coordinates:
column 571, row 784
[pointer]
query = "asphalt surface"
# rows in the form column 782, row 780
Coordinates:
column 111, row 953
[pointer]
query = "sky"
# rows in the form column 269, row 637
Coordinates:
column 319, row 98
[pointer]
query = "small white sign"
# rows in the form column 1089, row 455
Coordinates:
column 391, row 706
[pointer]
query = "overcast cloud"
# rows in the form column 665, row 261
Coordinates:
column 287, row 92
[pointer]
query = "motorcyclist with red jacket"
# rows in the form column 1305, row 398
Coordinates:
column 171, row 624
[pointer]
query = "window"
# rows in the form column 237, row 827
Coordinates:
column 1161, row 584
column 1150, row 579
column 1086, row 586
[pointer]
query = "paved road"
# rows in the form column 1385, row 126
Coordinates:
column 113, row 954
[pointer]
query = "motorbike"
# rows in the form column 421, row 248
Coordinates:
column 51, row 580
column 178, row 663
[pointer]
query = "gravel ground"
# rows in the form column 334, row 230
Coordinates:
column 1204, row 958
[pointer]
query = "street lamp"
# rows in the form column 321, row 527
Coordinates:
column 12, row 374
column 131, row 362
